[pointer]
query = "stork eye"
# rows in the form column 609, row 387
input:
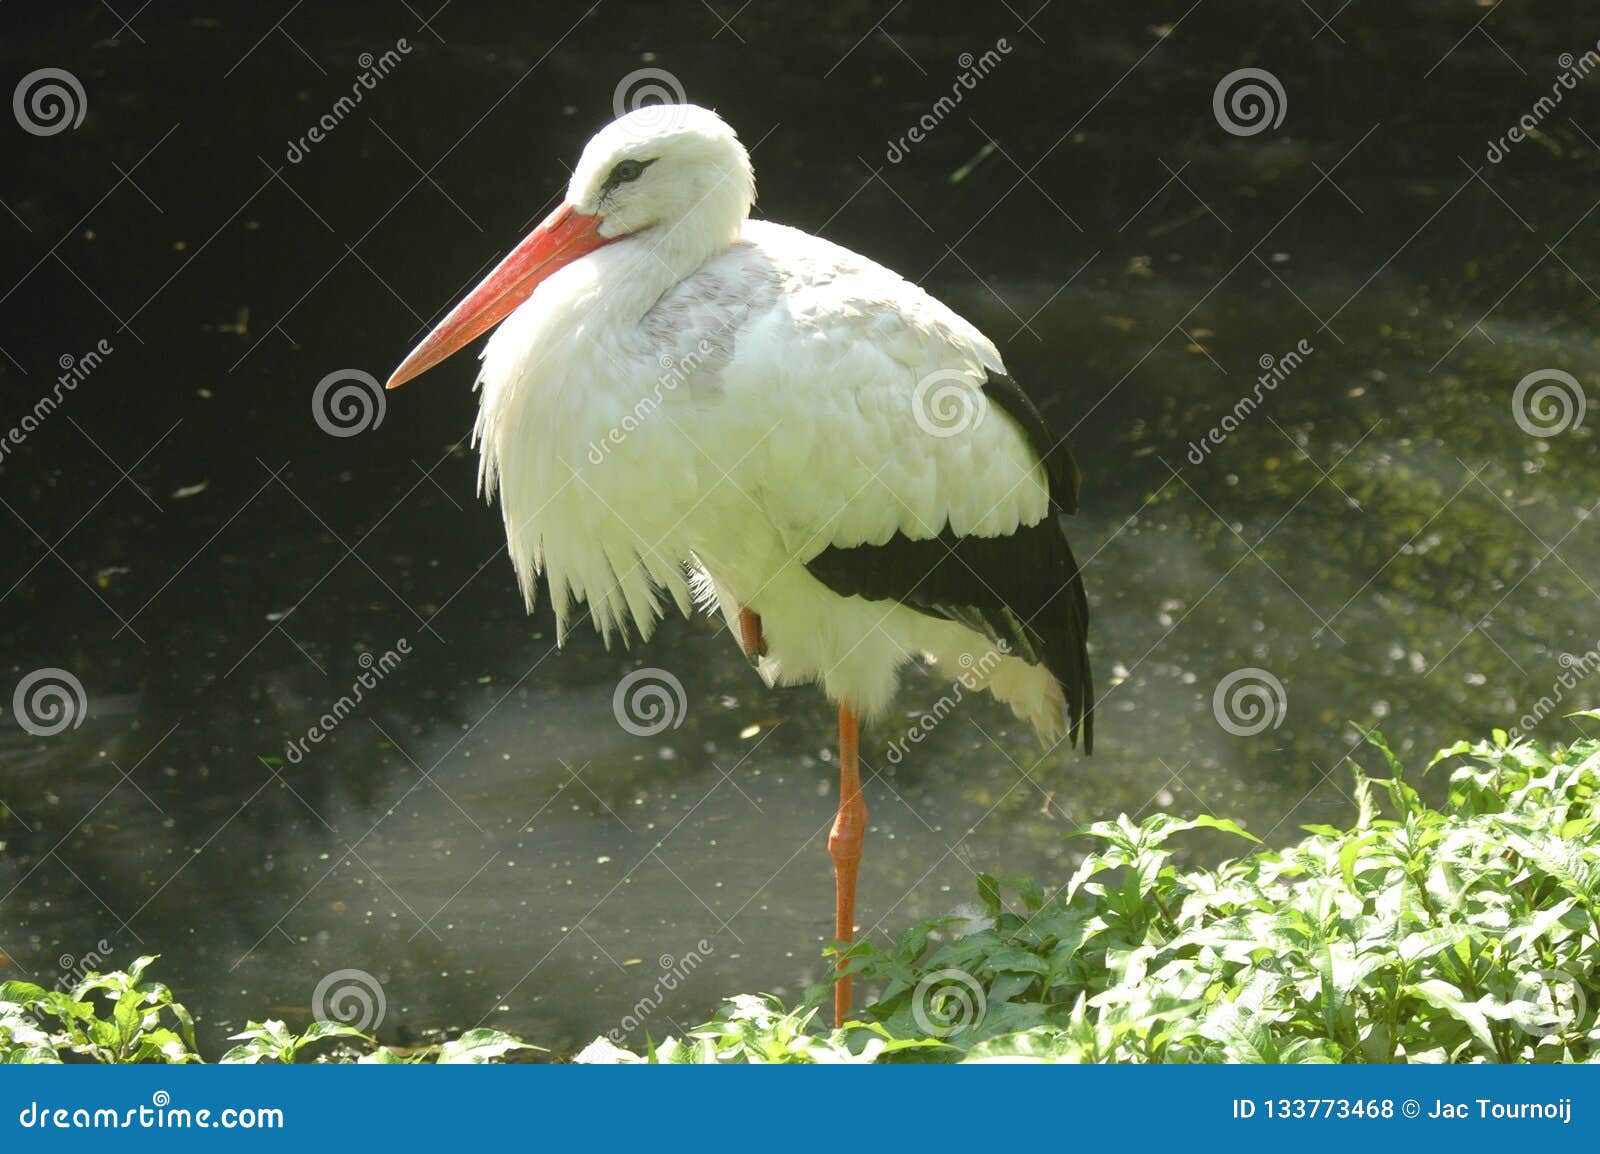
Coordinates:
column 627, row 170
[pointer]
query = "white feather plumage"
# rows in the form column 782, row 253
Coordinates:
column 734, row 397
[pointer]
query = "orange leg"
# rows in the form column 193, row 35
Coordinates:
column 844, row 845
column 751, row 639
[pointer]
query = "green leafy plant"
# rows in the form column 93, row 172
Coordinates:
column 117, row 1017
column 121, row 1017
column 272, row 1041
column 1466, row 933
column 757, row 1029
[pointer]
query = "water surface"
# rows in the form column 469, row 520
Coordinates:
column 1379, row 534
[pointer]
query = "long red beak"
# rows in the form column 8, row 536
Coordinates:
column 562, row 238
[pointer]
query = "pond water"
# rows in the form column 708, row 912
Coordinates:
column 1376, row 534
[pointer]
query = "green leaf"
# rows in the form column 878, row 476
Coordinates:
column 1224, row 825
column 989, row 895
column 480, row 1046
column 1449, row 998
column 1030, row 891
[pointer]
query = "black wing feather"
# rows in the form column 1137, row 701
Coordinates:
column 1060, row 468
column 1023, row 589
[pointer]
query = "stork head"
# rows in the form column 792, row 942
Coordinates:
column 671, row 165
column 674, row 174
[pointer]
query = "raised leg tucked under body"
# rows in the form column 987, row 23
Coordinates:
column 751, row 639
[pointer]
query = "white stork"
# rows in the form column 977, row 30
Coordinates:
column 683, row 402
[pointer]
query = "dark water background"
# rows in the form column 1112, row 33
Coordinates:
column 1381, row 535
